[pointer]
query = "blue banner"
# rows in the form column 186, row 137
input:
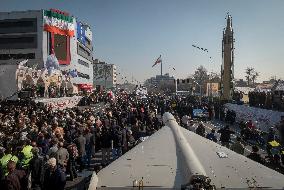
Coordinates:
column 81, row 33
column 198, row 112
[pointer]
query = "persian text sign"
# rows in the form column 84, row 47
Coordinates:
column 60, row 103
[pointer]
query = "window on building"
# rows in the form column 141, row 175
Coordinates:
column 84, row 52
column 81, row 62
column 17, row 56
column 18, row 42
column 24, row 25
column 88, row 41
column 82, row 75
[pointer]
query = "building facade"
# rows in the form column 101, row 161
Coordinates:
column 227, row 68
column 159, row 79
column 104, row 75
column 35, row 34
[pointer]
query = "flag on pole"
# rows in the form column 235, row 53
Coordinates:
column 159, row 60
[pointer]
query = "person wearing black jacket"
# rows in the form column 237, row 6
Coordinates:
column 54, row 177
column 225, row 137
column 36, row 168
column 255, row 156
column 71, row 163
column 106, row 145
column 117, row 138
column 200, row 130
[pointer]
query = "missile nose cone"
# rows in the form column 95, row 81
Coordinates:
column 229, row 22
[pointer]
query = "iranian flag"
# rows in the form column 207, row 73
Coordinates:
column 58, row 23
column 159, row 60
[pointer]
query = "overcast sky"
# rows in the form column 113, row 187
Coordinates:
column 133, row 33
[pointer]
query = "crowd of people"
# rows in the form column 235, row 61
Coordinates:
column 40, row 147
column 263, row 99
column 267, row 100
column 274, row 155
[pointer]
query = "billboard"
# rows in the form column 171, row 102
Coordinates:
column 212, row 89
column 81, row 33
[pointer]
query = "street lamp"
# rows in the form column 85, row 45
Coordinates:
column 210, row 94
column 174, row 71
column 199, row 90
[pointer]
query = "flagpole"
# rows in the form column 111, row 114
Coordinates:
column 161, row 68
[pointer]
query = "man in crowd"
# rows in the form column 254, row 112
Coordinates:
column 81, row 144
column 36, row 168
column 255, row 156
column 15, row 179
column 54, row 177
column 212, row 136
column 225, row 137
column 53, row 149
column 90, row 145
column 62, row 156
column 281, row 130
column 200, row 130
column 185, row 120
column 238, row 146
column 106, row 145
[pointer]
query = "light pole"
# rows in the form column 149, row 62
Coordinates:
column 174, row 71
column 199, row 90
column 105, row 68
column 210, row 94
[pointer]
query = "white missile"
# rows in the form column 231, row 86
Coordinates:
column 176, row 158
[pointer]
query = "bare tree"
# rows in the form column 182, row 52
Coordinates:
column 251, row 75
column 201, row 77
column 215, row 77
column 254, row 77
column 249, row 72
